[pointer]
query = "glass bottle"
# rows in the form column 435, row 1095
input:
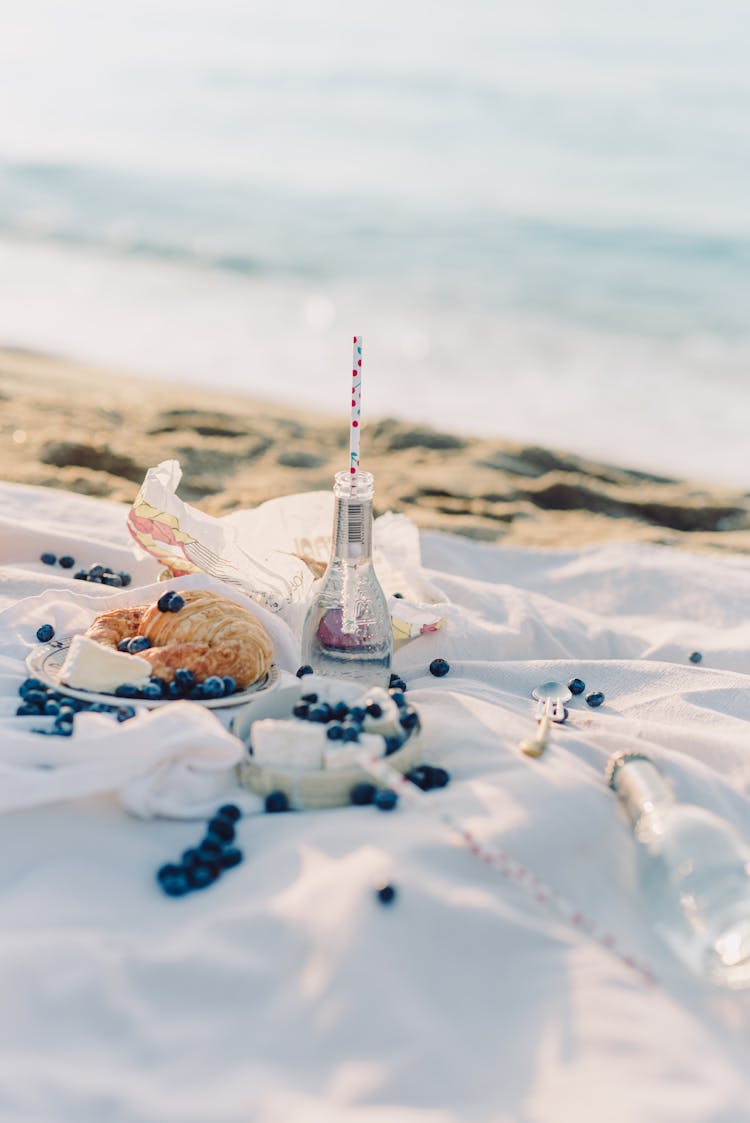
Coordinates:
column 694, row 871
column 347, row 631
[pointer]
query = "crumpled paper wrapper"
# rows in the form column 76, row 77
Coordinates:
column 275, row 552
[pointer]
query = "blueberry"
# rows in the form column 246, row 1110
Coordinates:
column 696, row 657
column 398, row 684
column 101, row 708
column 301, row 710
column 439, row 667
column 184, row 677
column 113, row 580
column 191, row 857
column 96, row 572
column 45, row 633
column 339, row 711
column 67, row 562
column 175, row 884
column 169, row 870
column 82, row 575
column 230, row 686
column 420, row 777
column 48, row 559
column 230, row 811
column 62, row 728
column 201, row 875
column 52, row 708
column 151, row 691
column 374, row 709
column 357, row 714
column 125, row 579
column 126, row 690
column 362, row 794
column 320, row 713
column 163, row 602
column 308, row 698
column 158, row 682
column 198, row 693
column 232, row 856
column 277, row 801
column 174, row 690
column 306, row 670
column 213, row 687
column 335, row 732
column 124, row 644
column 35, row 698
column 595, row 699
column 576, row 686
column 399, row 698
column 398, row 596
column 385, row 799
column 138, row 643
column 409, row 719
column 350, row 733
column 210, row 848
column 386, row 894
column 394, row 679
column 30, row 684
column 25, row 710
column 176, row 603
column 221, row 829
column 392, row 745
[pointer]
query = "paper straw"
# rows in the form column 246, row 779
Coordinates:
column 356, row 402
column 509, row 868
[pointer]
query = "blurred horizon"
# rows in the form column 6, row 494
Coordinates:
column 537, row 218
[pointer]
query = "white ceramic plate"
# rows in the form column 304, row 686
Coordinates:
column 45, row 663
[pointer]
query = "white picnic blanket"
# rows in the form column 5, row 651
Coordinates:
column 286, row 992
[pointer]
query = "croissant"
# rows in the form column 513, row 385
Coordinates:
column 210, row 635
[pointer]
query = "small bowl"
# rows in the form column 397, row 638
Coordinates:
column 326, row 788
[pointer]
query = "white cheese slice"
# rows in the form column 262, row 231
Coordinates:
column 388, row 723
column 91, row 666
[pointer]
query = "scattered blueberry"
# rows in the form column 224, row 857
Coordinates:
column 230, row 685
column 439, row 667
column 595, row 699
column 62, row 728
column 397, row 683
column 301, row 710
column 394, row 679
column 163, row 602
column 138, row 643
column 335, row 732
column 198, row 693
column 386, row 894
column 385, row 799
column 112, row 579
column 35, row 698
column 52, row 708
column 339, row 711
column 124, row 644
column 67, row 562
column 200, row 875
column 696, row 657
column 362, row 794
column 306, row 670
column 96, row 571
column 151, row 692
column 421, row 777
column 175, row 884
column 409, row 719
column 82, row 575
column 48, row 559
column 350, row 733
column 167, row 871
column 126, row 690
column 176, row 603
column 30, row 684
column 25, row 710
column 192, row 856
column 440, row 778
column 184, row 678
column 45, row 633
column 221, row 829
column 309, row 697
column 320, row 714
column 398, row 697
column 230, row 811
column 398, row 596
column 277, row 801
column 374, row 709
column 357, row 714
column 125, row 579
column 576, row 686
column 213, row 686
column 210, row 848
column 174, row 690
column 230, row 857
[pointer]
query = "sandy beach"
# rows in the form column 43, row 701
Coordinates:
column 64, row 425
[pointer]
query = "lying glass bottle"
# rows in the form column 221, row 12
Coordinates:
column 347, row 632
column 694, row 870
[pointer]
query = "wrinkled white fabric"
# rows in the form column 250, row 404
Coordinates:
column 286, row 992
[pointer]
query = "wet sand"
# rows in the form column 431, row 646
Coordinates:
column 65, row 425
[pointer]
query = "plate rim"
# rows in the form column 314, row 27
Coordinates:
column 36, row 658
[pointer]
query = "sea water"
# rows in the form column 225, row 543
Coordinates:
column 536, row 214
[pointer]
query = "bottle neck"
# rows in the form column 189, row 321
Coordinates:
column 640, row 787
column 352, row 529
